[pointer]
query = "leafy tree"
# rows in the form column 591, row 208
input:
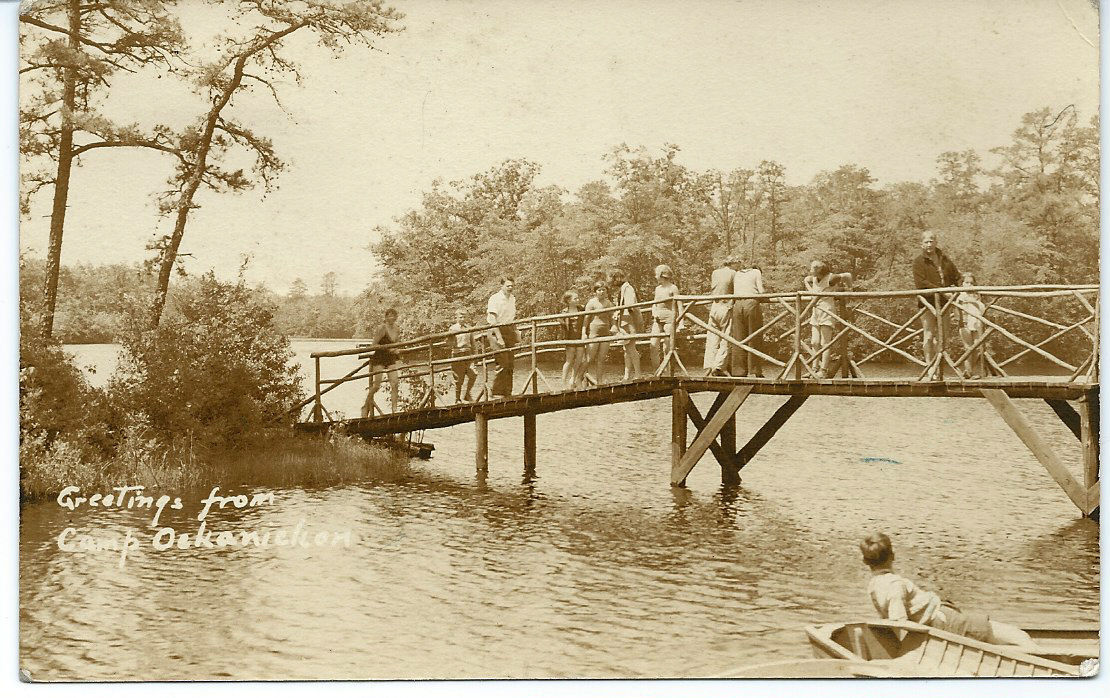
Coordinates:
column 298, row 289
column 733, row 202
column 215, row 368
column 1049, row 182
column 773, row 194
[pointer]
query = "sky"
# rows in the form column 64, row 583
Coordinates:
column 813, row 85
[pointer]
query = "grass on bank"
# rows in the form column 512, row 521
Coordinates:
column 281, row 459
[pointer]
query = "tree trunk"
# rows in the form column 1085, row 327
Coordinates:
column 200, row 165
column 61, row 181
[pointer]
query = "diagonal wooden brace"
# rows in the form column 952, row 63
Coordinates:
column 722, row 451
column 1040, row 449
column 1067, row 415
column 761, row 437
column 708, row 434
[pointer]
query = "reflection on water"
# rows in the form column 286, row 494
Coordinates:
column 590, row 566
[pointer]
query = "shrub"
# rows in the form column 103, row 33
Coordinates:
column 216, row 368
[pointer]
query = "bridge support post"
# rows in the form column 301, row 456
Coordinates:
column 724, row 412
column 529, row 442
column 679, row 400
column 481, row 442
column 730, row 470
column 1088, row 423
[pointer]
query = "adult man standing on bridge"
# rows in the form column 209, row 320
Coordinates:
column 746, row 319
column 932, row 269
column 500, row 313
column 629, row 322
column 720, row 318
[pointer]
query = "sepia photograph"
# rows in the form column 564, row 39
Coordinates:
column 369, row 340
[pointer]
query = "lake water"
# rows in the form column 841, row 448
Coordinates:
column 593, row 567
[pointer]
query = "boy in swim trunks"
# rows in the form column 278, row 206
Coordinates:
column 897, row 598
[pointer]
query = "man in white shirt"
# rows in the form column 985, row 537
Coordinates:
column 500, row 313
column 630, row 321
column 746, row 319
column 720, row 318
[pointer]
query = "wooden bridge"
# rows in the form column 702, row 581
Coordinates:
column 1057, row 326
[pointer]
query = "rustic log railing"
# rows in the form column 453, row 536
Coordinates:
column 1055, row 324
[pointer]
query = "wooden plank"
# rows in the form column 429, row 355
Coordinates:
column 723, row 455
column 529, row 442
column 707, row 435
column 481, row 442
column 1039, row 448
column 679, row 399
column 1067, row 415
column 768, row 430
column 1089, row 430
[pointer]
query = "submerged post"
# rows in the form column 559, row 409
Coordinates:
column 529, row 442
column 678, row 428
column 481, row 442
column 1088, row 424
column 730, row 471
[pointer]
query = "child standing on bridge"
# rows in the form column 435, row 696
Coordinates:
column 971, row 329
column 897, row 598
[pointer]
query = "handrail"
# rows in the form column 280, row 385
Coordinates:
column 798, row 310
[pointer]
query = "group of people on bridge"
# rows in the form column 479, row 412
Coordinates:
column 734, row 323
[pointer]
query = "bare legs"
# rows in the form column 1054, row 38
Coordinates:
column 973, row 364
column 597, row 353
column 821, row 337
column 375, row 383
column 631, row 359
column 929, row 334
column 574, row 368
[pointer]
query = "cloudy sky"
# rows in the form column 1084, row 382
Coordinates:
column 887, row 85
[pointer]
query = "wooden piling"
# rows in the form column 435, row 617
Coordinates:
column 529, row 442
column 708, row 434
column 481, row 442
column 679, row 398
column 1089, row 433
column 730, row 472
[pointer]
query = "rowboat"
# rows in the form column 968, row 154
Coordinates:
column 923, row 651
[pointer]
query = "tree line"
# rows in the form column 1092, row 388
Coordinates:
column 1029, row 217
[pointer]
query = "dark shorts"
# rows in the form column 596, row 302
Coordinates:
column 973, row 624
column 384, row 358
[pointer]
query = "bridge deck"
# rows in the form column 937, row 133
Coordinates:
column 657, row 387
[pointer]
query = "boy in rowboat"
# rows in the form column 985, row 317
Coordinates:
column 897, row 598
